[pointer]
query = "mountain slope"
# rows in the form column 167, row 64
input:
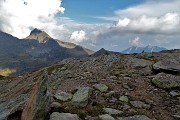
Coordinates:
column 143, row 49
column 35, row 51
column 127, row 87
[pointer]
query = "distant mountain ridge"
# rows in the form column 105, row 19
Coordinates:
column 35, row 51
column 148, row 48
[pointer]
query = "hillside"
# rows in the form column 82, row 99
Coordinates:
column 111, row 86
column 35, row 51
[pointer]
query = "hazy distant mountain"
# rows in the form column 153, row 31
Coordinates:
column 35, row 51
column 148, row 48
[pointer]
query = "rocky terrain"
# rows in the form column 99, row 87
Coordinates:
column 110, row 86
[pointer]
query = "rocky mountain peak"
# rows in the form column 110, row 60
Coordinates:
column 35, row 31
column 39, row 35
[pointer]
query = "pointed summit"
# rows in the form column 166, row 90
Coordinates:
column 100, row 52
column 39, row 35
column 35, row 31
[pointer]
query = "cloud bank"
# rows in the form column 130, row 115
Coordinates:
column 155, row 22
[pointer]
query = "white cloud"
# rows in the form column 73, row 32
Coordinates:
column 123, row 22
column 18, row 16
column 152, row 8
column 78, row 36
column 166, row 24
column 136, row 42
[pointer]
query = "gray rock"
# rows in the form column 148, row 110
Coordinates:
column 55, row 105
column 166, row 81
column 101, row 87
column 106, row 117
column 135, row 117
column 38, row 104
column 63, row 96
column 63, row 116
column 123, row 98
column 174, row 94
column 109, row 94
column 80, row 98
column 126, row 107
column 139, row 104
column 164, row 65
column 112, row 111
column 176, row 116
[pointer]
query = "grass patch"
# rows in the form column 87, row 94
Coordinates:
column 7, row 71
column 83, row 112
column 52, row 68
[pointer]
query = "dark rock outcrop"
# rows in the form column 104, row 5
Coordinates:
column 38, row 104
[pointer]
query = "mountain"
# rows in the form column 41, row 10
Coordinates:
column 103, row 51
column 35, row 51
column 39, row 35
column 148, row 48
column 107, row 87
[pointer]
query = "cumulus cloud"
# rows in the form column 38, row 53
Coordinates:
column 123, row 22
column 136, row 42
column 154, row 22
column 166, row 24
column 18, row 17
column 152, row 8
column 78, row 36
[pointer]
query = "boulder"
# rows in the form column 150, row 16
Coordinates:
column 110, row 94
column 174, row 93
column 135, row 117
column 112, row 111
column 106, row 117
column 166, row 81
column 63, row 96
column 139, row 104
column 81, row 97
column 123, row 98
column 63, row 116
column 37, row 107
column 55, row 105
column 101, row 87
column 164, row 65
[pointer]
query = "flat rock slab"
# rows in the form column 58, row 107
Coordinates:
column 81, row 97
column 101, row 87
column 112, row 111
column 164, row 65
column 106, row 117
column 139, row 104
column 63, row 116
column 55, row 105
column 166, row 81
column 63, row 96
column 135, row 117
column 123, row 98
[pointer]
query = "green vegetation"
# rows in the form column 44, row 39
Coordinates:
column 52, row 68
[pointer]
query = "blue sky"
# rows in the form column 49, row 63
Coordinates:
column 85, row 10
column 111, row 24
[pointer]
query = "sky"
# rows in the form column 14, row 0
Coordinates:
column 111, row 24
